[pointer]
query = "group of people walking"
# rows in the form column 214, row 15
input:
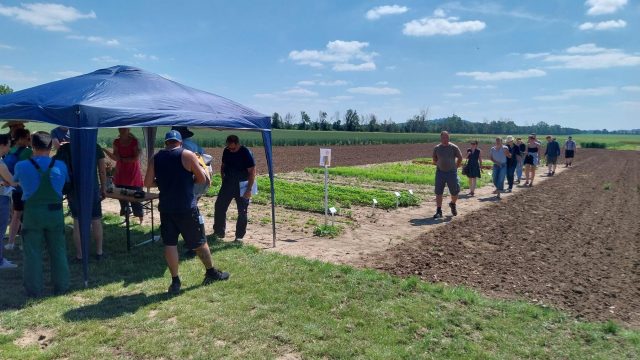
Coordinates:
column 33, row 184
column 512, row 161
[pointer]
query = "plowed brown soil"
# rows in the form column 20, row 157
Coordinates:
column 572, row 242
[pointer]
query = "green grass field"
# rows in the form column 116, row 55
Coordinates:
column 396, row 172
column 276, row 306
column 215, row 138
column 310, row 197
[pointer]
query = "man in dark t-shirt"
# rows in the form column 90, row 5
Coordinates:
column 238, row 171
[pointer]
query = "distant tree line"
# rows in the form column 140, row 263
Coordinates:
column 352, row 121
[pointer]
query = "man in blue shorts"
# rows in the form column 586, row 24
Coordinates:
column 447, row 158
column 174, row 170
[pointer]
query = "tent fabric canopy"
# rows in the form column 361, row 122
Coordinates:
column 125, row 96
column 122, row 96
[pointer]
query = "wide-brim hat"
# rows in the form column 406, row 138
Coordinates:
column 509, row 138
column 11, row 123
column 183, row 130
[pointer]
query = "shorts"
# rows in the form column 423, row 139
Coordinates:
column 531, row 159
column 188, row 224
column 450, row 178
column 552, row 160
column 569, row 154
column 96, row 206
column 16, row 198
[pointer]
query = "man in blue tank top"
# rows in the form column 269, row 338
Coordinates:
column 174, row 170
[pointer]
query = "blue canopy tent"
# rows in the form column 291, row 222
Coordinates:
column 124, row 96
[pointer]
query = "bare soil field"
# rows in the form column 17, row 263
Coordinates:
column 572, row 242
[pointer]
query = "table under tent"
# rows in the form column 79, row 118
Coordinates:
column 125, row 96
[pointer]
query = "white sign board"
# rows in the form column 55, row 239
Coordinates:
column 397, row 194
column 325, row 157
column 333, row 210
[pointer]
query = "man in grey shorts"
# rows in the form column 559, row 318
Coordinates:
column 447, row 158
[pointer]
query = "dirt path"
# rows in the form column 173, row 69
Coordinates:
column 572, row 242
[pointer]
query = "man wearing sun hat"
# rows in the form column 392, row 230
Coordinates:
column 13, row 125
column 174, row 170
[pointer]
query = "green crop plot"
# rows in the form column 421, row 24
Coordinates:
column 396, row 172
column 310, row 197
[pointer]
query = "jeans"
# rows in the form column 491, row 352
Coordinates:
column 510, row 175
column 5, row 211
column 227, row 193
column 498, row 174
column 519, row 167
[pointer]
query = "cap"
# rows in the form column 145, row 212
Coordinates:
column 183, row 130
column 173, row 135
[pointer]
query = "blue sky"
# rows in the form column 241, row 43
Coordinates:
column 575, row 63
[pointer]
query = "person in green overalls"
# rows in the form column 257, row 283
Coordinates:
column 42, row 179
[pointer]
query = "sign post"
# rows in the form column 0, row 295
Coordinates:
column 325, row 160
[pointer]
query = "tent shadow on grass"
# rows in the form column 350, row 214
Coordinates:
column 139, row 265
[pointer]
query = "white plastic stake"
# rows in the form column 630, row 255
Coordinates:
column 411, row 191
column 375, row 202
column 333, row 211
column 397, row 199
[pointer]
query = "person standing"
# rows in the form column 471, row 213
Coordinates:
column 174, row 170
column 447, row 158
column 238, row 171
column 474, row 164
column 59, row 136
column 512, row 161
column 499, row 156
column 20, row 151
column 42, row 179
column 126, row 154
column 552, row 152
column 99, row 193
column 6, row 187
column 569, row 151
column 522, row 150
column 531, row 160
column 13, row 126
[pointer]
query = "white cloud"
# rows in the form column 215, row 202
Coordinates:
column 51, row 17
column 380, row 11
column 15, row 78
column 105, row 59
column 439, row 13
column 340, row 54
column 95, row 39
column 322, row 83
column 503, row 75
column 265, row 96
column 370, row 90
column 633, row 88
column 382, row 83
column 452, row 94
column 603, row 25
column 368, row 66
column 439, row 26
column 535, row 55
column 6, row 47
column 571, row 93
column 391, row 67
column 67, row 73
column 503, row 101
column 300, row 92
column 491, row 8
column 140, row 56
column 589, row 56
column 601, row 7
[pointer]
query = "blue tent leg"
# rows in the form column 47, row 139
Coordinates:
column 266, row 139
column 83, row 149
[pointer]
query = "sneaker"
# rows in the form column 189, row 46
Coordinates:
column 454, row 211
column 174, row 289
column 100, row 257
column 214, row 275
column 238, row 240
column 6, row 264
column 553, row 172
column 9, row 247
column 518, row 181
column 218, row 236
column 438, row 214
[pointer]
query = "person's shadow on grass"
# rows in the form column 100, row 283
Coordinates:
column 112, row 307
